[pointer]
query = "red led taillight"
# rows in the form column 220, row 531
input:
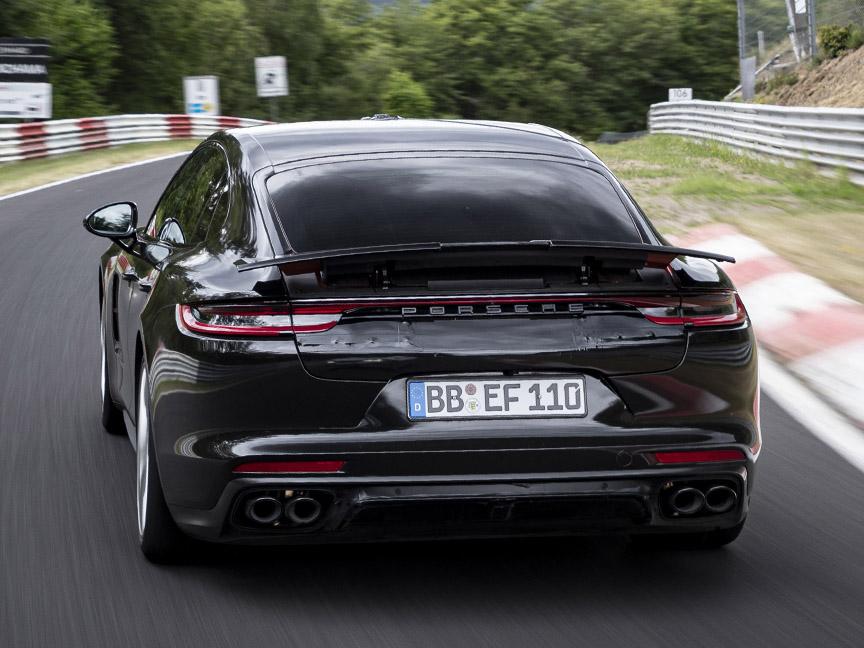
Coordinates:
column 290, row 467
column 712, row 309
column 699, row 456
column 257, row 320
column 718, row 309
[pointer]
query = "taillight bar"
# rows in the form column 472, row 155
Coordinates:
column 269, row 320
column 290, row 467
column 699, row 456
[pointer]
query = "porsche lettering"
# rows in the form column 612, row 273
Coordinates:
column 493, row 309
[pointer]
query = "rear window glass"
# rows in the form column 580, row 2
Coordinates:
column 446, row 200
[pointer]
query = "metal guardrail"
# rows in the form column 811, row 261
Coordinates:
column 829, row 137
column 41, row 139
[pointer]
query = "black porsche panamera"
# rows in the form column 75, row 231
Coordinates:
column 395, row 329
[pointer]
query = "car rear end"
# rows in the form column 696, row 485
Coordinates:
column 466, row 345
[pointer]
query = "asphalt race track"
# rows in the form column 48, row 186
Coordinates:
column 71, row 573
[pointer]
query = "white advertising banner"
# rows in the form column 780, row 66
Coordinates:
column 25, row 100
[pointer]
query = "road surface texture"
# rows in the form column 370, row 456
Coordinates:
column 71, row 573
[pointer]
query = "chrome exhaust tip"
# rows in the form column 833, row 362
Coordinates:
column 264, row 510
column 303, row 510
column 720, row 499
column 687, row 501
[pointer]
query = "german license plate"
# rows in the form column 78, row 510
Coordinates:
column 494, row 398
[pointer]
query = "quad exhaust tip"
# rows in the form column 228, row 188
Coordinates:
column 264, row 510
column 300, row 510
column 720, row 499
column 303, row 510
column 687, row 501
column 715, row 499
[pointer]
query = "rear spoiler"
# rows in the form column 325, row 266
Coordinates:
column 609, row 254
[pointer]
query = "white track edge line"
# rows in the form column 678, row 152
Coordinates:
column 808, row 409
column 24, row 192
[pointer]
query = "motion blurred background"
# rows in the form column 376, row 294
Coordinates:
column 70, row 570
column 579, row 65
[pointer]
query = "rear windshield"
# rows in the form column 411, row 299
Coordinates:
column 446, row 200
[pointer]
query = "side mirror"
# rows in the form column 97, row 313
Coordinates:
column 116, row 221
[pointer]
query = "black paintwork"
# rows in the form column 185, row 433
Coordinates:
column 218, row 402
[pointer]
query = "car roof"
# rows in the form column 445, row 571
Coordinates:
column 285, row 143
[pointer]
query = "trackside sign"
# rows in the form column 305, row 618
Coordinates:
column 680, row 94
column 24, row 60
column 201, row 95
column 24, row 88
column 271, row 77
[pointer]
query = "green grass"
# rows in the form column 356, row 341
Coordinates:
column 693, row 167
column 813, row 220
column 16, row 176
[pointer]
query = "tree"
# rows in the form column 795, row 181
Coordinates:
column 707, row 54
column 355, row 61
column 293, row 29
column 162, row 41
column 82, row 50
column 580, row 65
column 405, row 97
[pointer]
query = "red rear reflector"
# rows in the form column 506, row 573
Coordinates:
column 290, row 467
column 702, row 456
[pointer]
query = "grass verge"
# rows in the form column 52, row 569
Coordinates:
column 17, row 176
column 814, row 221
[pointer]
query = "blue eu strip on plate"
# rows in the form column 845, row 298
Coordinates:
column 417, row 399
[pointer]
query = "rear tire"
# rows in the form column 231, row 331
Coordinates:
column 112, row 416
column 705, row 540
column 160, row 539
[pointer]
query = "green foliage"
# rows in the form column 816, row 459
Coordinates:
column 781, row 79
column 293, row 29
column 354, row 62
column 82, row 51
column 163, row 41
column 405, row 97
column 579, row 65
column 835, row 41
column 856, row 37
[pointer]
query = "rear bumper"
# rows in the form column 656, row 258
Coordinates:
column 218, row 404
column 375, row 509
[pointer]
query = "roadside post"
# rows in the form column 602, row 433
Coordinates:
column 24, row 88
column 271, row 79
column 747, row 64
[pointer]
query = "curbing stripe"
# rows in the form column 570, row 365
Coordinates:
column 798, row 317
column 778, row 299
column 817, row 330
column 838, row 371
